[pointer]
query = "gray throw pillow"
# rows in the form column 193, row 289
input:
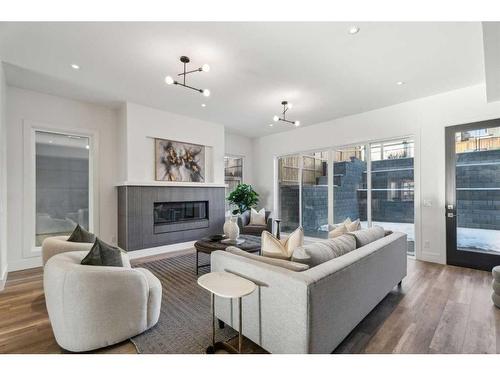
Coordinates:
column 292, row 266
column 81, row 235
column 102, row 254
column 323, row 251
column 365, row 236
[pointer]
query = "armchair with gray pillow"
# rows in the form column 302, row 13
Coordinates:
column 254, row 230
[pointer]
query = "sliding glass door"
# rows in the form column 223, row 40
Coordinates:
column 289, row 178
column 392, row 187
column 349, row 185
column 314, row 194
column 372, row 182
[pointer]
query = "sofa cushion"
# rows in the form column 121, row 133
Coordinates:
column 281, row 249
column 323, row 251
column 103, row 254
column 292, row 266
column 81, row 235
column 353, row 226
column 365, row 236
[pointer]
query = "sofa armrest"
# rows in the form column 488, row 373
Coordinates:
column 155, row 293
column 269, row 225
column 345, row 289
column 275, row 315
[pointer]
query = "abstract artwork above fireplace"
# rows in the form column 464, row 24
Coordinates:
column 179, row 161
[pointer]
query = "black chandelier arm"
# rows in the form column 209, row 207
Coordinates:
column 187, row 86
column 285, row 120
column 191, row 71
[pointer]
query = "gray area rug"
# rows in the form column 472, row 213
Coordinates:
column 185, row 320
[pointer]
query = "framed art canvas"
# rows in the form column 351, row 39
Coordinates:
column 179, row 161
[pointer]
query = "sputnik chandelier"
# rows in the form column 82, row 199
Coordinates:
column 286, row 107
column 185, row 60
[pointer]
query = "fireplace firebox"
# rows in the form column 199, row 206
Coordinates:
column 177, row 216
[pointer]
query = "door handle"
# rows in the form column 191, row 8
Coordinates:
column 451, row 215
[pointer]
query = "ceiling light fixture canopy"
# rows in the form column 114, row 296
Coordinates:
column 185, row 60
column 286, row 107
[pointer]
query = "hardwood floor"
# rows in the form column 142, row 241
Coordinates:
column 438, row 309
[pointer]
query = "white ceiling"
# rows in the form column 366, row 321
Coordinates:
column 322, row 69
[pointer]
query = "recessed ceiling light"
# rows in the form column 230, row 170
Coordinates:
column 353, row 30
column 76, row 67
column 203, row 105
column 399, row 83
column 87, row 147
column 271, row 125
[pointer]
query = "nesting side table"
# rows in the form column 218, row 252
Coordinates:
column 226, row 285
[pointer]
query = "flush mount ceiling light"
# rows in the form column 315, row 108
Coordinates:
column 185, row 60
column 353, row 30
column 286, row 107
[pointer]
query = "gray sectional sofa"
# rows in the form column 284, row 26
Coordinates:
column 312, row 311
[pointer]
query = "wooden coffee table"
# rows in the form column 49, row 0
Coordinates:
column 205, row 245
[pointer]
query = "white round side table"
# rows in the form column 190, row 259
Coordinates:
column 226, row 285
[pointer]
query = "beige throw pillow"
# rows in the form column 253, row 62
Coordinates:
column 355, row 225
column 338, row 231
column 258, row 218
column 281, row 249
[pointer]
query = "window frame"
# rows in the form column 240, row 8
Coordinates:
column 30, row 128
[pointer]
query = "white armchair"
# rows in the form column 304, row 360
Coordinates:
column 93, row 306
column 59, row 244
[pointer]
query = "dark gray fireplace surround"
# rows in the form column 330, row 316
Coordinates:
column 183, row 213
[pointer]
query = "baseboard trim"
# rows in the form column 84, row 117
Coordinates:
column 3, row 277
column 160, row 250
column 24, row 264
column 431, row 257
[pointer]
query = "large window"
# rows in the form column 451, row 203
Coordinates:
column 233, row 174
column 372, row 182
column 62, row 184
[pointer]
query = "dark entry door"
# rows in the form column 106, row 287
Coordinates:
column 473, row 194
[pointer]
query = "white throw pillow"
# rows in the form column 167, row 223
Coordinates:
column 355, row 225
column 281, row 249
column 258, row 218
column 338, row 231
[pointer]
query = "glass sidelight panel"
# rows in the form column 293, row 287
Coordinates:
column 62, row 184
column 315, row 194
column 349, row 185
column 392, row 188
column 477, row 184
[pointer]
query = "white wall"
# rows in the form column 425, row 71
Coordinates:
column 425, row 119
column 3, row 180
column 238, row 145
column 63, row 114
column 144, row 124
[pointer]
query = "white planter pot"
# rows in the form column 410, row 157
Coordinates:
column 231, row 228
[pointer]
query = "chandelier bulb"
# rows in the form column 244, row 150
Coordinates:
column 275, row 118
column 169, row 80
column 206, row 92
column 205, row 68
column 297, row 123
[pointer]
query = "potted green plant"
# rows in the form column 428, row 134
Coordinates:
column 243, row 197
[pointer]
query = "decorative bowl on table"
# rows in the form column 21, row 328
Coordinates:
column 216, row 237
